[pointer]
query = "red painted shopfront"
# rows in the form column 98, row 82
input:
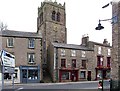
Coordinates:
column 68, row 75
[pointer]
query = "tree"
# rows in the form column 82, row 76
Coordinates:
column 3, row 26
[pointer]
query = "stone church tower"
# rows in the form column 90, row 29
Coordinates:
column 115, row 62
column 51, row 23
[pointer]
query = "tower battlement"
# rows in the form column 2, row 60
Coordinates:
column 53, row 3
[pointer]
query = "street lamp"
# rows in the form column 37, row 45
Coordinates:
column 100, row 27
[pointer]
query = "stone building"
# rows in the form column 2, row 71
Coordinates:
column 51, row 23
column 115, row 71
column 26, row 46
column 88, row 61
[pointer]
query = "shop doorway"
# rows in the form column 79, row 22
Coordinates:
column 24, row 76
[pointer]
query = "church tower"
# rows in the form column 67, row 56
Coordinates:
column 51, row 23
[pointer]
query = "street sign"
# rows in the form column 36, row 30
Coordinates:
column 7, row 70
column 7, row 59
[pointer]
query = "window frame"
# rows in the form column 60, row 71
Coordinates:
column 73, row 53
column 63, row 64
column 33, row 57
column 62, row 52
column 31, row 43
column 83, row 54
column 10, row 42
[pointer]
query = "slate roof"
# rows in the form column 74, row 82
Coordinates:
column 12, row 33
column 101, row 44
column 71, row 46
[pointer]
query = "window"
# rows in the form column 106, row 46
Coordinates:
column 83, row 53
column 99, row 61
column 73, row 53
column 84, row 64
column 10, row 42
column 82, row 74
column 41, row 17
column 31, row 43
column 108, row 61
column 65, row 75
column 109, row 52
column 32, row 74
column 63, row 63
column 62, row 52
column 58, row 16
column 53, row 15
column 99, row 50
column 73, row 62
column 31, row 58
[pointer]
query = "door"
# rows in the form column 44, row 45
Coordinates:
column 24, row 75
column 74, row 75
column 89, row 76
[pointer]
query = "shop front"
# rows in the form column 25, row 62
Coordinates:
column 29, row 74
column 102, row 73
column 68, row 75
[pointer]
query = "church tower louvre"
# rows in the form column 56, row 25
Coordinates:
column 51, row 23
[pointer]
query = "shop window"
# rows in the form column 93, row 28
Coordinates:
column 84, row 64
column 65, row 75
column 74, row 63
column 10, row 42
column 31, row 58
column 32, row 74
column 83, row 74
column 31, row 43
column 63, row 62
column 73, row 53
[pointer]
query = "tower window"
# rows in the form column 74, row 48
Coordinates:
column 58, row 16
column 53, row 15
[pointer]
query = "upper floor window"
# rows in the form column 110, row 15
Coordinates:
column 73, row 62
column 84, row 64
column 108, row 61
column 10, row 42
column 83, row 53
column 31, row 43
column 62, row 52
column 63, row 62
column 53, row 15
column 58, row 16
column 109, row 52
column 73, row 53
column 31, row 57
column 99, row 61
column 99, row 50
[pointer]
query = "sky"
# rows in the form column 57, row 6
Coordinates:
column 82, row 17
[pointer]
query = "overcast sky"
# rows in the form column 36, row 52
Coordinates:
column 81, row 17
